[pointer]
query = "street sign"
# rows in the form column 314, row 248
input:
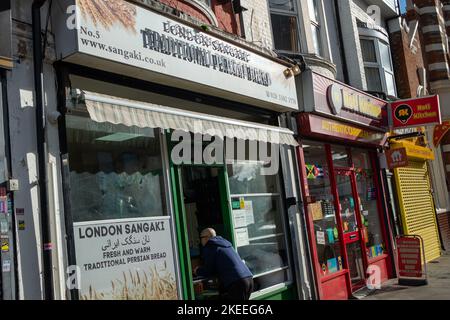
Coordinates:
column 416, row 112
column 396, row 158
column 409, row 259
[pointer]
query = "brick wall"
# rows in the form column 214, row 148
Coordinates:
column 446, row 13
column 444, row 226
column 406, row 63
column 434, row 38
column 227, row 19
column 187, row 8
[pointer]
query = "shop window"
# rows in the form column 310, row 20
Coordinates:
column 115, row 171
column 259, row 226
column 285, row 27
column 340, row 156
column 368, row 196
column 321, row 208
column 378, row 66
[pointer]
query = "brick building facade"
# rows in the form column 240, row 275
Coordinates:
column 419, row 41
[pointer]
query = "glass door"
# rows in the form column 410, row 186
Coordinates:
column 348, row 210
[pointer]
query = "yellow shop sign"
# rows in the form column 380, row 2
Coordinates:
column 414, row 151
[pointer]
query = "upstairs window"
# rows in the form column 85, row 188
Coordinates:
column 378, row 66
column 315, row 26
column 284, row 16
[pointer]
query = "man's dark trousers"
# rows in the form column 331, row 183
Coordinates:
column 239, row 290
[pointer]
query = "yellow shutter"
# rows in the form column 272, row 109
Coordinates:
column 417, row 207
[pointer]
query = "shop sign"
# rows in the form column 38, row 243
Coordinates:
column 414, row 151
column 420, row 152
column 409, row 257
column 167, row 51
column 322, row 127
column 396, row 158
column 338, row 100
column 416, row 112
column 341, row 97
column 126, row 259
column 440, row 131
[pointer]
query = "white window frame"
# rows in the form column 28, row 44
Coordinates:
column 296, row 14
column 304, row 27
column 379, row 64
column 316, row 22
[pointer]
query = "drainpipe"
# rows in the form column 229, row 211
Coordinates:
column 41, row 148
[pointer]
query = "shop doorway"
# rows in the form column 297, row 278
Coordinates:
column 350, row 216
column 203, row 203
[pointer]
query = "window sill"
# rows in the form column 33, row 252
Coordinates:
column 271, row 291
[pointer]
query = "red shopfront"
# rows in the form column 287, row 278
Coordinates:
column 340, row 133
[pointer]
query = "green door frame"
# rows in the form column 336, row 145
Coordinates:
column 180, row 216
column 286, row 293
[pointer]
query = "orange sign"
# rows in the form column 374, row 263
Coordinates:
column 440, row 131
column 396, row 158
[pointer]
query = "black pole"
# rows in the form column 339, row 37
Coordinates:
column 41, row 148
column 7, row 139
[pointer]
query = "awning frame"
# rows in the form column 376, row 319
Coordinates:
column 105, row 108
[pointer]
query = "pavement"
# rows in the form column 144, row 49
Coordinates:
column 438, row 287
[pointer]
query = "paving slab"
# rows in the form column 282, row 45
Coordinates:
column 438, row 287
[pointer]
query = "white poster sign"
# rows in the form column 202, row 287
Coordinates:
column 244, row 217
column 6, row 267
column 240, row 218
column 249, row 212
column 126, row 259
column 134, row 36
column 242, row 237
column 320, row 237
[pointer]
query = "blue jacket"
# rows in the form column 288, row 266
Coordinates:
column 221, row 260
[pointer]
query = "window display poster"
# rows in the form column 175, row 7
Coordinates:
column 6, row 266
column 240, row 218
column 371, row 194
column 316, row 210
column 330, row 234
column 244, row 217
column 5, row 244
column 332, row 265
column 242, row 237
column 236, row 204
column 248, row 207
column 320, row 237
column 4, row 205
column 126, row 259
column 4, row 228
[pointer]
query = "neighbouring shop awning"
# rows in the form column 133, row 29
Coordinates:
column 105, row 108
